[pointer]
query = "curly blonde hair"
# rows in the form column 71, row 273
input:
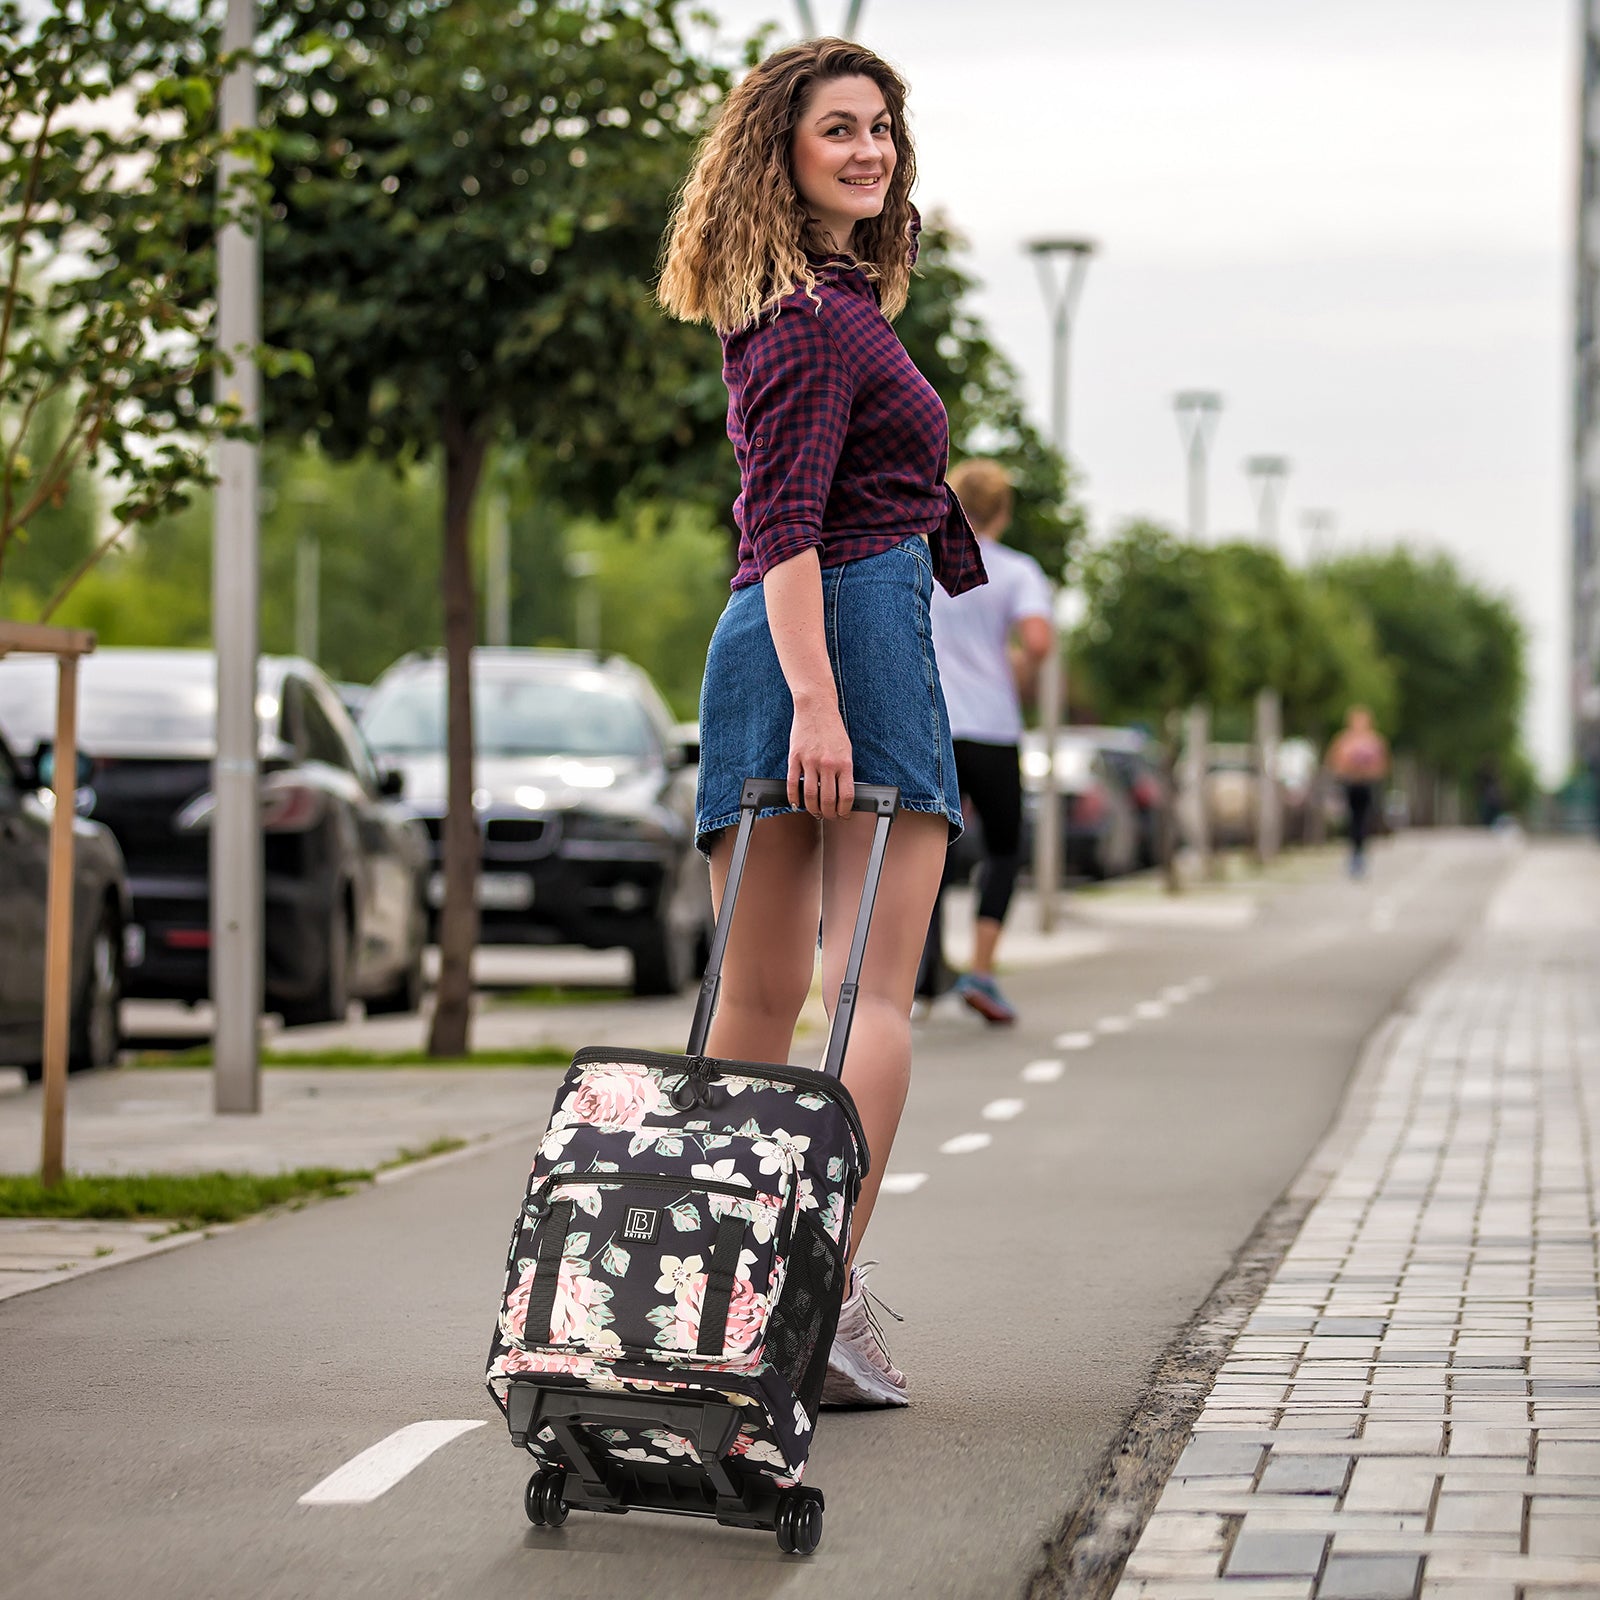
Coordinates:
column 739, row 234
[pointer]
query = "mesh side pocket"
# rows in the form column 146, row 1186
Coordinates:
column 801, row 1327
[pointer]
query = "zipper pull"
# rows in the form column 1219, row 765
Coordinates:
column 690, row 1093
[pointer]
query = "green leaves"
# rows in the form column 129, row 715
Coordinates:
column 106, row 221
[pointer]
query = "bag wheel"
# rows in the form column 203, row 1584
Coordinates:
column 533, row 1499
column 551, row 1503
column 798, row 1524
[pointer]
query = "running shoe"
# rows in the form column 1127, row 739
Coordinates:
column 982, row 993
column 860, row 1372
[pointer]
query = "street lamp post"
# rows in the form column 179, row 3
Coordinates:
column 1320, row 526
column 1268, row 475
column 236, row 865
column 808, row 19
column 1061, row 292
column 1198, row 412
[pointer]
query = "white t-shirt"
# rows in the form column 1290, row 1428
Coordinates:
column 970, row 635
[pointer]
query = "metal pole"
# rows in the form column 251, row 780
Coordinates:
column 307, row 596
column 808, row 21
column 1061, row 299
column 1269, row 738
column 497, row 610
column 236, row 954
column 1319, row 526
column 58, row 934
column 1268, row 475
column 1198, row 411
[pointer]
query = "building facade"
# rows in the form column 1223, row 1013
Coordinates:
column 1585, row 681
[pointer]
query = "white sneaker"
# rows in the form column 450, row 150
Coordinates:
column 860, row 1371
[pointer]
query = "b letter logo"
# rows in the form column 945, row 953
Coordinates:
column 642, row 1225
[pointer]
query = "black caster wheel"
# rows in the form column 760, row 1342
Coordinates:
column 799, row 1524
column 550, row 1501
column 807, row 1527
column 533, row 1499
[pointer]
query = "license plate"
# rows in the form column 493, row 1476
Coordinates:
column 497, row 891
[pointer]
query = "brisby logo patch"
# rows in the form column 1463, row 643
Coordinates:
column 642, row 1225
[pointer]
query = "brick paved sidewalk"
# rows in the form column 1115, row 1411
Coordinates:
column 1414, row 1407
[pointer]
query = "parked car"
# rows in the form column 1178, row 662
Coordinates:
column 345, row 865
column 1135, row 763
column 1099, row 819
column 100, row 916
column 584, row 800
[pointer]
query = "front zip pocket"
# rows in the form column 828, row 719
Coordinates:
column 661, row 1265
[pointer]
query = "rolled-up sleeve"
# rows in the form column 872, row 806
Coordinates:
column 795, row 411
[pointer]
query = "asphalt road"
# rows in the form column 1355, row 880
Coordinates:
column 162, row 1420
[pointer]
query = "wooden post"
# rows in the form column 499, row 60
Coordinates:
column 58, row 927
column 66, row 645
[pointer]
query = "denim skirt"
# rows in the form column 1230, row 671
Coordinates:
column 875, row 614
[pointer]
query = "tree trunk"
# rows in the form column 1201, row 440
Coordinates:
column 464, row 449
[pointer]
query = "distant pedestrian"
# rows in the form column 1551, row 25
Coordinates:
column 1359, row 759
column 990, row 643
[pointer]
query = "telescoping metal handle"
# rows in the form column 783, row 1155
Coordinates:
column 757, row 793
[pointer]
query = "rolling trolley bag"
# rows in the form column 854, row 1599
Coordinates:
column 677, row 1266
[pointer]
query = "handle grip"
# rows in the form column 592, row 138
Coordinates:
column 759, row 792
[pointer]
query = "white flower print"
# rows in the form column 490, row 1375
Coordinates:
column 766, row 1451
column 718, row 1172
column 802, row 1423
column 780, row 1150
column 638, row 1454
column 555, row 1141
column 808, row 1198
column 677, row 1275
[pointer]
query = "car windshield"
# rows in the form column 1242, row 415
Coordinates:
column 122, row 705
column 511, row 717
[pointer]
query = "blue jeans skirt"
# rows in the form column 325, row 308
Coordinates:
column 875, row 614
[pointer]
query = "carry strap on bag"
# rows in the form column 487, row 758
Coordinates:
column 883, row 801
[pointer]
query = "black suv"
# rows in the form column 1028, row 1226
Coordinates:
column 584, row 800
column 345, row 866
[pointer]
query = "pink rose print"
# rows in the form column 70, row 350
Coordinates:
column 615, row 1097
column 579, row 1299
column 747, row 1317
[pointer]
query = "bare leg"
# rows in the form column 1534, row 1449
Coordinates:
column 878, row 1062
column 985, row 941
column 766, row 971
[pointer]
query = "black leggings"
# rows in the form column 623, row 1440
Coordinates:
column 991, row 783
column 1359, row 798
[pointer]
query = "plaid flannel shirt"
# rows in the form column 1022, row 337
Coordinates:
column 842, row 444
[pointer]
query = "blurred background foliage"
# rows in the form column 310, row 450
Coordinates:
column 618, row 453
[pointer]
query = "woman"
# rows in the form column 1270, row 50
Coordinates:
column 794, row 237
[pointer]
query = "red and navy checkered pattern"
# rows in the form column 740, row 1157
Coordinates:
column 842, row 444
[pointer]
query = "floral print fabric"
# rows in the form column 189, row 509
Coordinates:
column 671, row 1199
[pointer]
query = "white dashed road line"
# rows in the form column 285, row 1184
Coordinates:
column 963, row 1144
column 1175, row 993
column 1074, row 1041
column 377, row 1470
column 902, row 1182
column 1003, row 1110
column 1113, row 1025
column 1042, row 1071
column 1150, row 1010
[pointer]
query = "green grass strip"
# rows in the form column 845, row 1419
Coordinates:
column 189, row 1199
column 537, row 1055
column 553, row 994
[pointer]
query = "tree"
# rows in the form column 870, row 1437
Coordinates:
column 108, row 204
column 461, row 240
column 981, row 393
column 1152, row 639
column 1457, row 654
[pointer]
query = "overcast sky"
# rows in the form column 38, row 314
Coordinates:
column 1352, row 219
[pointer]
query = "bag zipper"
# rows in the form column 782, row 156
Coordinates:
column 718, row 1066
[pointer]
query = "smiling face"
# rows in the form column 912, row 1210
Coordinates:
column 843, row 154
